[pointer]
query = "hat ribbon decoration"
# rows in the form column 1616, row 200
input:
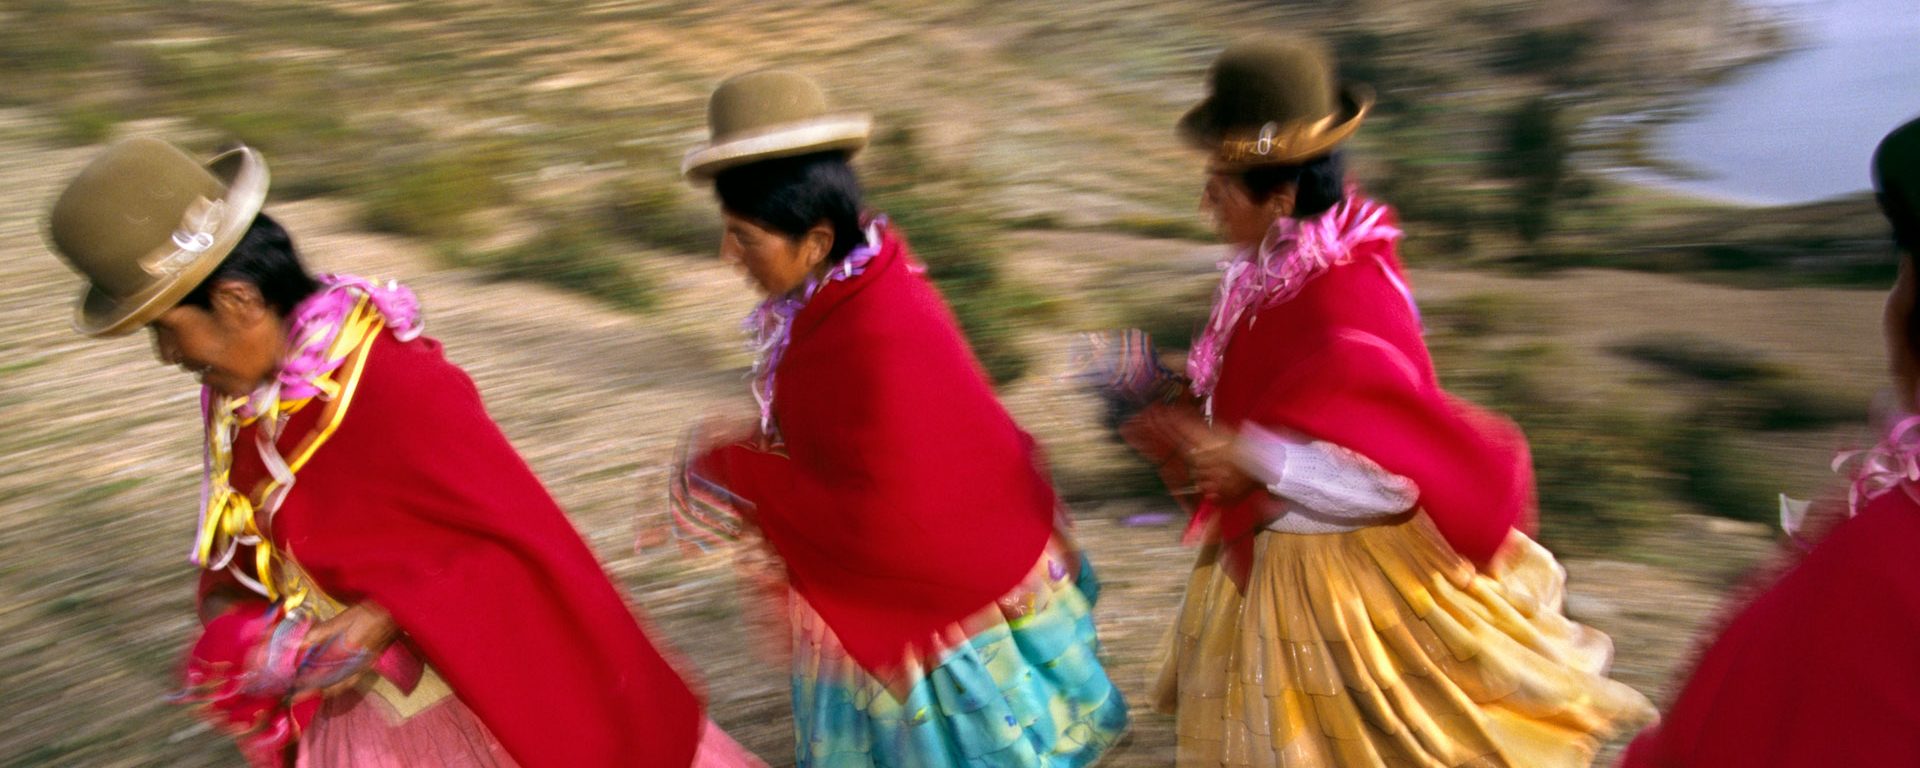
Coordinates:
column 1271, row 136
column 198, row 225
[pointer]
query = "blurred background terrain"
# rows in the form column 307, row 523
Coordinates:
column 1677, row 355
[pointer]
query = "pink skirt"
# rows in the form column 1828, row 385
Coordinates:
column 377, row 727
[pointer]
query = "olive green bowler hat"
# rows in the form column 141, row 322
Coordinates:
column 1274, row 101
column 144, row 223
column 768, row 114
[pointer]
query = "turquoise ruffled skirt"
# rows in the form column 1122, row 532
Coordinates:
column 1020, row 684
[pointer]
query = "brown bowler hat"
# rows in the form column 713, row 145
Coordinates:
column 1274, row 101
column 145, row 223
column 768, row 114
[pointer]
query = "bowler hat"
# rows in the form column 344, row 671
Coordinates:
column 767, row 114
column 145, row 224
column 1274, row 101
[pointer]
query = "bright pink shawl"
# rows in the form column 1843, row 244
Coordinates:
column 419, row 504
column 1341, row 359
column 905, row 498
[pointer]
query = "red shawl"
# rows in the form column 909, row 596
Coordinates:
column 1819, row 669
column 420, row 504
column 906, row 498
column 1343, row 361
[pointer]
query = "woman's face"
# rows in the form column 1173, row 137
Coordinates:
column 1895, row 324
column 1237, row 219
column 774, row 262
column 231, row 347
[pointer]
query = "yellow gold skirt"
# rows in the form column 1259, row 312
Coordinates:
column 1383, row 647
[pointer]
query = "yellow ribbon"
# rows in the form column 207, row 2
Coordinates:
column 231, row 518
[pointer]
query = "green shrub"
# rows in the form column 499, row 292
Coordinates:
column 656, row 214
column 1789, row 402
column 1750, row 391
column 1038, row 220
column 1441, row 220
column 47, row 39
column 1485, row 314
column 283, row 130
column 1711, row 472
column 307, row 180
column 192, row 75
column 1172, row 324
column 86, row 124
column 1163, row 227
column 1699, row 358
column 1537, row 144
column 1170, row 313
column 945, row 215
column 961, row 253
column 1546, row 51
column 570, row 258
column 1594, row 475
column 431, row 197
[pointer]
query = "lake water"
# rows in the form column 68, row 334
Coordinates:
column 1802, row 127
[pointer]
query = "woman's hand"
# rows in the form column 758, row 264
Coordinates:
column 357, row 637
column 1208, row 451
column 1217, row 473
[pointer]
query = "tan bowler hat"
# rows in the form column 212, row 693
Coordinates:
column 767, row 114
column 1274, row 101
column 145, row 223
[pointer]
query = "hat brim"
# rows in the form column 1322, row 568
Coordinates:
column 244, row 172
column 1199, row 128
column 844, row 132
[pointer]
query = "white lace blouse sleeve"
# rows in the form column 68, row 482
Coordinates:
column 1323, row 481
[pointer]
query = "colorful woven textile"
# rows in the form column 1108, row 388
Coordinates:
column 1123, row 366
column 704, row 514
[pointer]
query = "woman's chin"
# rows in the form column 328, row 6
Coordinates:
column 224, row 386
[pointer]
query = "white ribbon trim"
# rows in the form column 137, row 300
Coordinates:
column 199, row 225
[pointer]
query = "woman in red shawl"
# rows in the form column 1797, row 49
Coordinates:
column 938, row 612
column 386, row 584
column 1819, row 669
column 1365, row 596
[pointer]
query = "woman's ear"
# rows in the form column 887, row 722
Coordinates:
column 1283, row 199
column 239, row 302
column 817, row 243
